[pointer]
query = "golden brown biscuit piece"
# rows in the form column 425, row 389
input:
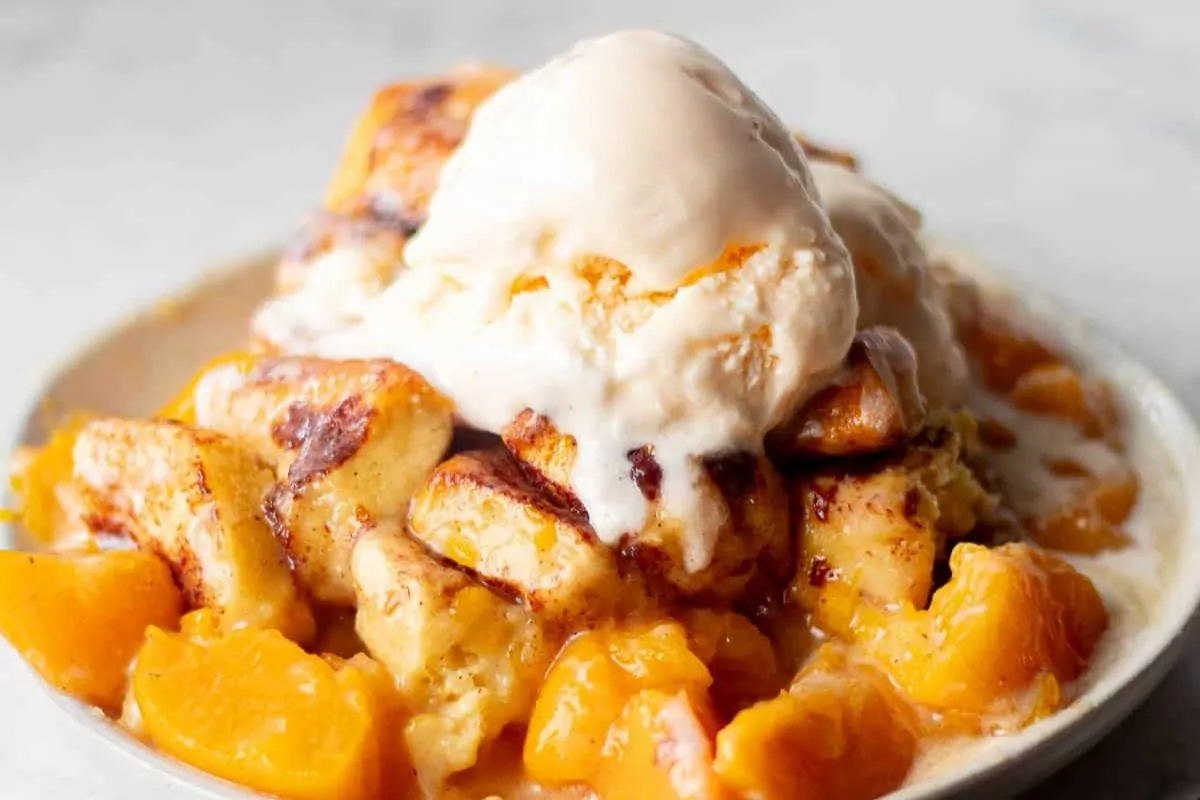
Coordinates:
column 753, row 543
column 870, row 532
column 394, row 157
column 377, row 244
column 351, row 442
column 466, row 662
column 481, row 511
column 863, row 538
column 194, row 497
column 742, row 488
column 874, row 404
column 380, row 192
column 548, row 455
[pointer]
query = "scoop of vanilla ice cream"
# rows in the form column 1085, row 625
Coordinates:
column 627, row 241
column 640, row 147
column 892, row 276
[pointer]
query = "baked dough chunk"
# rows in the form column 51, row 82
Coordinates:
column 351, row 441
column 467, row 662
column 743, row 489
column 393, row 160
column 351, row 250
column 870, row 532
column 195, row 498
column 480, row 510
column 872, row 405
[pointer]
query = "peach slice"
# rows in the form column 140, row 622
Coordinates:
column 842, row 732
column 742, row 660
column 79, row 619
column 1007, row 616
column 182, row 407
column 254, row 708
column 662, row 747
column 1090, row 521
column 1001, row 350
column 1057, row 390
column 49, row 507
column 398, row 777
column 589, row 684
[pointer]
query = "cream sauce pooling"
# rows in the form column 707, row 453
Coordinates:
column 1130, row 580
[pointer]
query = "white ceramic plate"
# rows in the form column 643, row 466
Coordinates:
column 133, row 369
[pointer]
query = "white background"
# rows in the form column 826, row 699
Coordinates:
column 143, row 140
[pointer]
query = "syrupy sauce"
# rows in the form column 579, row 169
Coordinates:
column 501, row 774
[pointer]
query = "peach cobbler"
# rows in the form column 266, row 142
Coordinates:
column 602, row 438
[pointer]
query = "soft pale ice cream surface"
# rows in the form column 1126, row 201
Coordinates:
column 892, row 278
column 629, row 242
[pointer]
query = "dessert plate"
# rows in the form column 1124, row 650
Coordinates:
column 134, row 368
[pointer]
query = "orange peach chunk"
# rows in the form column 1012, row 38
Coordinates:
column 398, row 777
column 999, row 348
column 1007, row 616
column 842, row 732
column 1057, row 390
column 48, row 503
column 79, row 619
column 742, row 660
column 254, row 708
column 587, row 687
column 662, row 747
column 1091, row 520
column 182, row 407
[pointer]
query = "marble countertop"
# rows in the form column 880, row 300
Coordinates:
column 141, row 141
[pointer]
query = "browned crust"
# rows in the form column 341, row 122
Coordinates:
column 816, row 500
column 646, row 472
column 508, row 590
column 494, row 476
column 638, row 558
column 753, row 551
column 326, row 230
column 538, row 447
column 499, row 473
column 874, row 405
column 912, row 506
column 736, row 475
column 390, row 168
column 396, row 151
column 819, row 571
column 275, row 515
column 371, row 229
column 541, row 449
column 326, row 438
column 823, row 496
